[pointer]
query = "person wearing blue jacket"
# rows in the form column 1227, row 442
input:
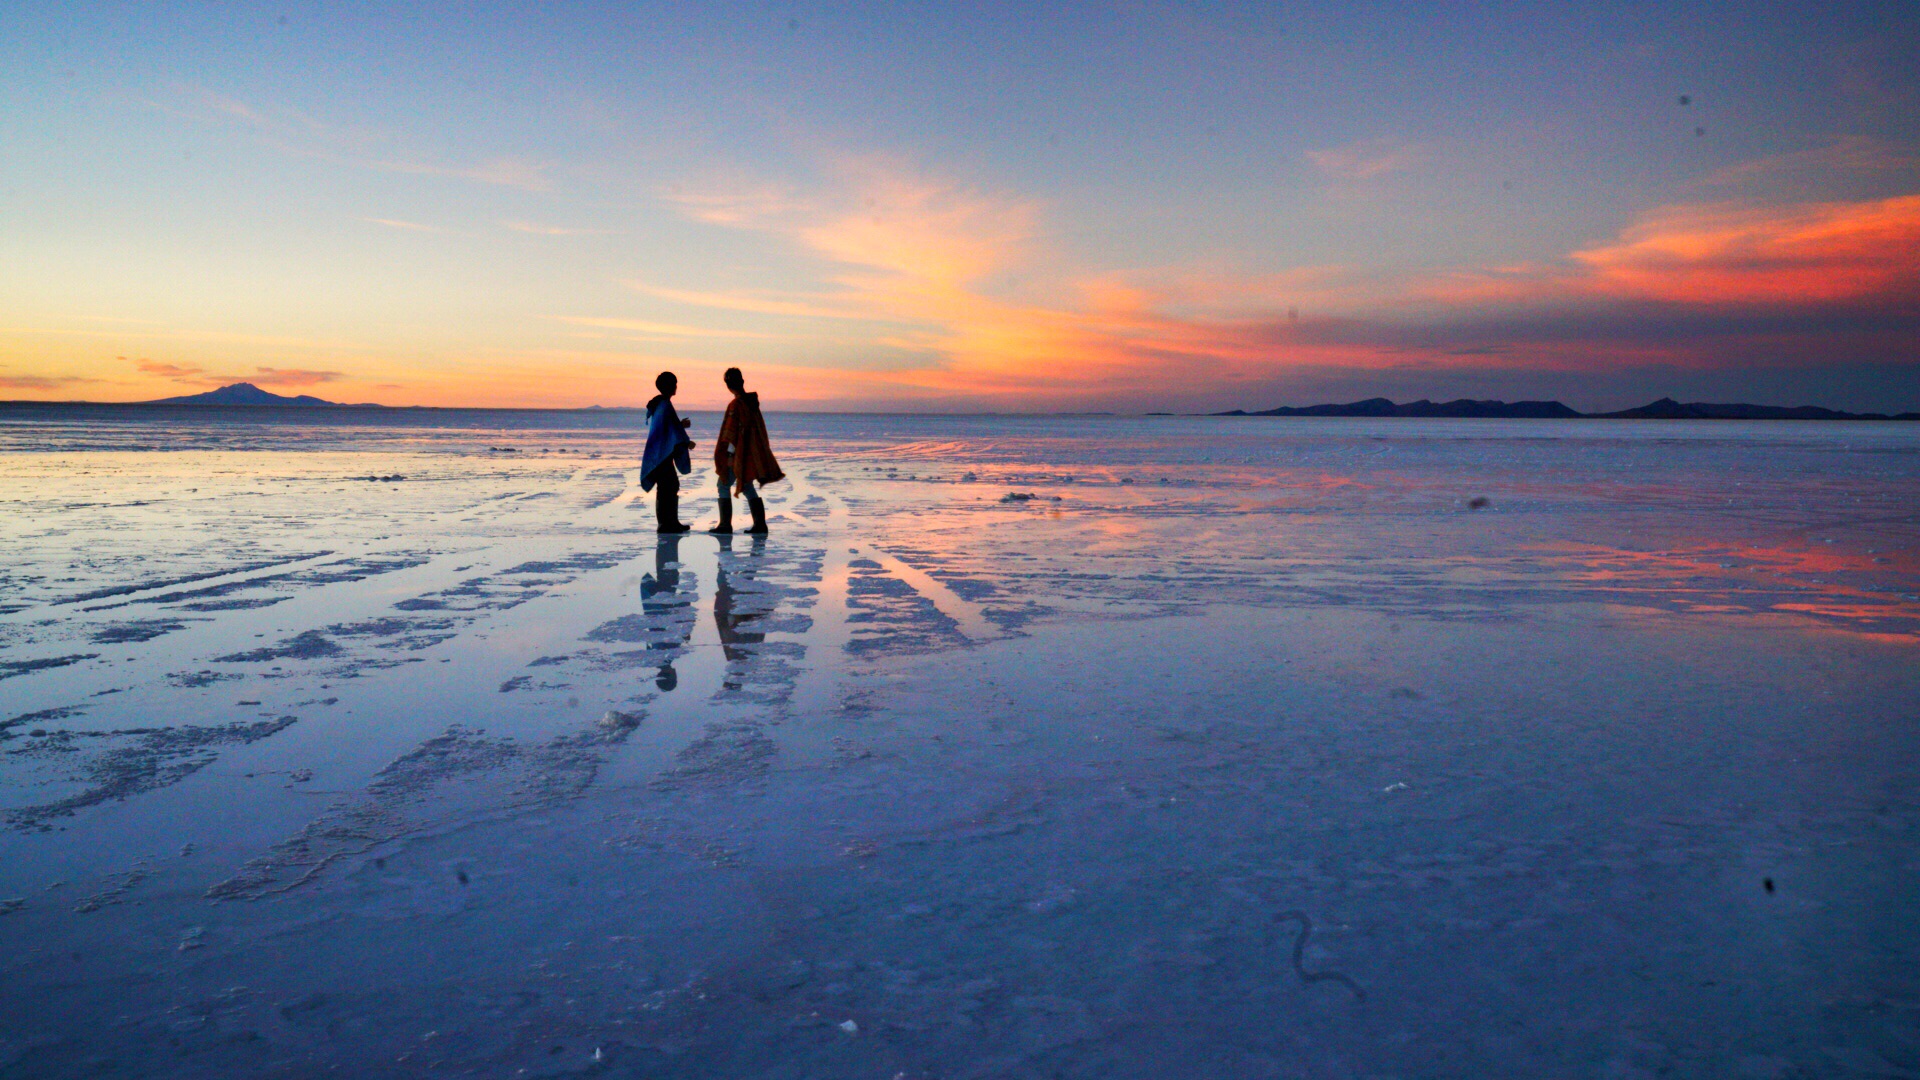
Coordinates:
column 666, row 456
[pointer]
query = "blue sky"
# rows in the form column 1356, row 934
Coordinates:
column 963, row 206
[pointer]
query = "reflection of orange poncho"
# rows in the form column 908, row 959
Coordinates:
column 742, row 445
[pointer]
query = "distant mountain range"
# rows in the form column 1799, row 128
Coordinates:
column 1664, row 409
column 244, row 393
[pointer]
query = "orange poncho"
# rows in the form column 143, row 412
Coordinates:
column 742, row 446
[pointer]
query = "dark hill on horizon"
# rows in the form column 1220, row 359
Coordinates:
column 244, row 393
column 1663, row 409
column 1525, row 410
column 1669, row 409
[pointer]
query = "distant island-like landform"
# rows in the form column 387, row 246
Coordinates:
column 1664, row 409
column 245, row 393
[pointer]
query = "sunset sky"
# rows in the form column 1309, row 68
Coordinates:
column 962, row 207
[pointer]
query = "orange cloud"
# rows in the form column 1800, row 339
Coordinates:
column 267, row 376
column 1726, row 255
column 171, row 371
column 917, row 266
column 1816, row 253
column 917, row 270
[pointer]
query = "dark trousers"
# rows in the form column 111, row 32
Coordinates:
column 666, row 490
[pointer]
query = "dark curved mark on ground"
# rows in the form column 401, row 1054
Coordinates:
column 1300, row 956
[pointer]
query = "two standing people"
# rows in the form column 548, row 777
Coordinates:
column 742, row 455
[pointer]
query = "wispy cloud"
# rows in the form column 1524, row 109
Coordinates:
column 660, row 329
column 261, row 376
column 524, row 173
column 42, row 382
column 268, row 376
column 197, row 337
column 232, row 107
column 731, row 199
column 1367, row 159
column 170, row 371
column 300, row 135
column 755, row 302
column 409, row 226
column 1859, row 155
column 537, row 229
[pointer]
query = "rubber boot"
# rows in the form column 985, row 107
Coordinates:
column 726, row 515
column 670, row 511
column 759, row 510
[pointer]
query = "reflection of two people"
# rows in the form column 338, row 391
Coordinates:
column 725, row 619
column 742, row 461
column 664, row 581
column 661, row 596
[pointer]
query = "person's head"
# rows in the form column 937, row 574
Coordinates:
column 666, row 383
column 735, row 381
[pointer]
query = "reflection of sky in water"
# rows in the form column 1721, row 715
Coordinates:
column 1850, row 591
column 311, row 650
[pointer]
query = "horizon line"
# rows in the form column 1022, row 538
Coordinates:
column 1265, row 414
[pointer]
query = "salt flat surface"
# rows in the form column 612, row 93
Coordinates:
column 1041, row 747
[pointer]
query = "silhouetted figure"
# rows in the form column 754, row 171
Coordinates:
column 743, row 456
column 666, row 455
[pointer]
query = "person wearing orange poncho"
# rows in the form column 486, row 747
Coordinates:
column 742, row 456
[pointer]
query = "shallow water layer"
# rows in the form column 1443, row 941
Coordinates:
column 1023, row 747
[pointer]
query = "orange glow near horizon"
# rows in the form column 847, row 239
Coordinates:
column 916, row 269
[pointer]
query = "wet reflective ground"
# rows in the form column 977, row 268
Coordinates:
column 1022, row 748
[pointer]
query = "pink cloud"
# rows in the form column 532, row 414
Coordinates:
column 261, row 376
